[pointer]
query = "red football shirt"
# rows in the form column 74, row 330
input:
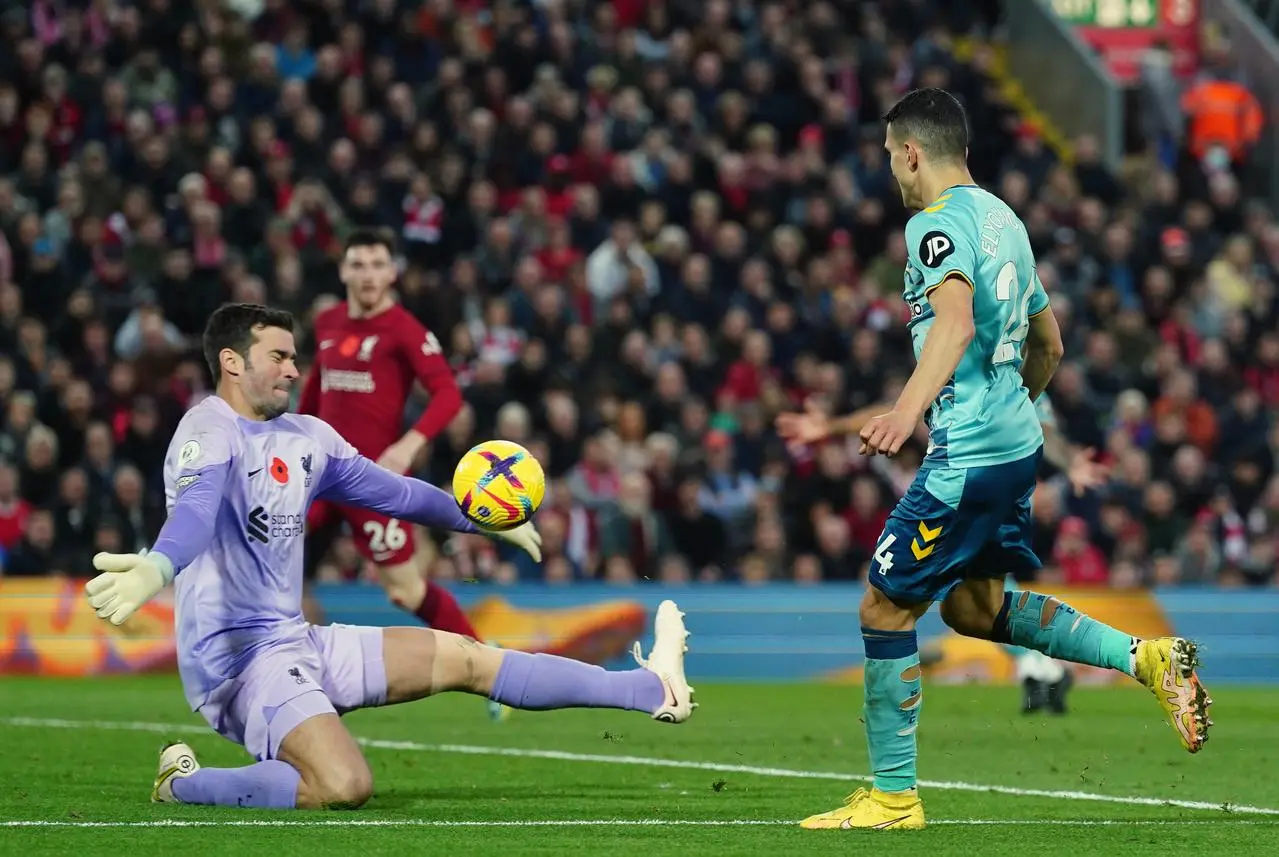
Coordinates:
column 364, row 370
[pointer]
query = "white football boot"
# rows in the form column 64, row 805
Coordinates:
column 666, row 661
column 176, row 761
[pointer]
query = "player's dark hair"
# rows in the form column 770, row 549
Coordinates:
column 367, row 237
column 934, row 118
column 235, row 326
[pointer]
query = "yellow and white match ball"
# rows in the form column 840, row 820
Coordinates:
column 499, row 484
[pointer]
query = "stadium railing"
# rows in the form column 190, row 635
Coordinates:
column 1062, row 76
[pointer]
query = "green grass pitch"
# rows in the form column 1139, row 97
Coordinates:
column 1109, row 778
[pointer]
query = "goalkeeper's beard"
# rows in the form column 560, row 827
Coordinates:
column 272, row 409
column 259, row 392
column 266, row 403
column 270, row 404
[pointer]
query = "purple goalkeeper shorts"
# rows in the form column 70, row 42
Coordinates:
column 332, row 670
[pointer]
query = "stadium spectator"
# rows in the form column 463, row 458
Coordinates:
column 640, row 230
column 14, row 511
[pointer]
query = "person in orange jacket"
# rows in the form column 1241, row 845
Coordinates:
column 1221, row 116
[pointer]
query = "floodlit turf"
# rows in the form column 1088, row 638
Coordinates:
column 753, row 760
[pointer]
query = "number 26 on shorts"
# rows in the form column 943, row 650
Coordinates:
column 385, row 539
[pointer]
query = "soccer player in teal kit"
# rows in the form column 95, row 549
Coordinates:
column 986, row 348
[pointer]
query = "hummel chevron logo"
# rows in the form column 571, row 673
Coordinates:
column 929, row 536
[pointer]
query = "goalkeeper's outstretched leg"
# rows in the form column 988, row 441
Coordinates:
column 284, row 707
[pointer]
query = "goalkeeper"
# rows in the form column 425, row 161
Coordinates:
column 239, row 476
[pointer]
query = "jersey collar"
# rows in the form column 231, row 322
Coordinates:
column 949, row 189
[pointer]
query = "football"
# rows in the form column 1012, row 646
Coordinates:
column 498, row 484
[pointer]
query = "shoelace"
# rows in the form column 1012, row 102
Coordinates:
column 848, row 801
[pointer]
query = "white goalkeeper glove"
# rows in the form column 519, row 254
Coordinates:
column 128, row 581
column 525, row 537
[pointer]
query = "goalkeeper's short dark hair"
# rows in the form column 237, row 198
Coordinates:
column 235, row 326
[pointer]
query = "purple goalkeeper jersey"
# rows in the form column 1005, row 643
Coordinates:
column 237, row 492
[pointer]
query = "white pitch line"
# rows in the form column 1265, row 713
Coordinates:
column 649, row 761
column 622, row 822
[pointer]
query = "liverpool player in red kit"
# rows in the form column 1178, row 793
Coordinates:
column 370, row 351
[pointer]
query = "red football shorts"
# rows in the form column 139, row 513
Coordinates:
column 384, row 540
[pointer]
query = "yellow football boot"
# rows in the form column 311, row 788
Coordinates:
column 1166, row 665
column 872, row 810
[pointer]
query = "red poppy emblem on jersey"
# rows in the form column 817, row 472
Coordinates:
column 279, row 471
column 348, row 346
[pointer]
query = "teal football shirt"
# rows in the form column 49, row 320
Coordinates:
column 984, row 416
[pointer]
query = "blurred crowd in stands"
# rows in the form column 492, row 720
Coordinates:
column 641, row 229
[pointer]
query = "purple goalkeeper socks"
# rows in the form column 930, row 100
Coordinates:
column 267, row 785
column 544, row 682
